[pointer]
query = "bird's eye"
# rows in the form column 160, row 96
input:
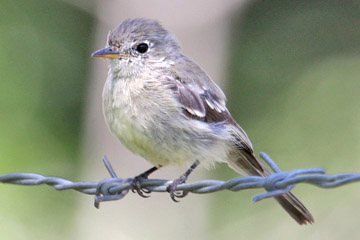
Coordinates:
column 142, row 48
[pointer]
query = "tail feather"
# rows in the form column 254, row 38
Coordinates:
column 295, row 208
column 245, row 162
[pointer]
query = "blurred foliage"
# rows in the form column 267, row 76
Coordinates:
column 294, row 72
column 43, row 67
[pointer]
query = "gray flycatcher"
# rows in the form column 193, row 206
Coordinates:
column 163, row 107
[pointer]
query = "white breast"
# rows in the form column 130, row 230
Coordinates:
column 147, row 119
column 124, row 117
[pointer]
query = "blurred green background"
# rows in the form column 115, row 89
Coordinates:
column 295, row 67
column 294, row 86
column 44, row 48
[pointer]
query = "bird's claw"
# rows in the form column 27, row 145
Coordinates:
column 174, row 193
column 136, row 187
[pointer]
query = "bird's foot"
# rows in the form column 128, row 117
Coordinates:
column 136, row 187
column 136, row 183
column 172, row 188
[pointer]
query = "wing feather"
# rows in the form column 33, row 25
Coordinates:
column 202, row 99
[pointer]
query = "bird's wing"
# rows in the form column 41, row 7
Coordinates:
column 203, row 100
column 200, row 97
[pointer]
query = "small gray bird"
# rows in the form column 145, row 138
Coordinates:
column 163, row 107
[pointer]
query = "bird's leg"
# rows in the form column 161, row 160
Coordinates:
column 136, row 186
column 172, row 188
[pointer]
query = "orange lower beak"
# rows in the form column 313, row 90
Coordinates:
column 108, row 53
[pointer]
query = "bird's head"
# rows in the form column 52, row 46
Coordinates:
column 139, row 44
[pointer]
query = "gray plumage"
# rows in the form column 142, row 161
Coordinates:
column 164, row 107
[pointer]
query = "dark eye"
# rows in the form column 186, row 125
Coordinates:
column 142, row 48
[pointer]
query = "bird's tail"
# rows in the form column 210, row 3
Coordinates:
column 295, row 208
column 246, row 163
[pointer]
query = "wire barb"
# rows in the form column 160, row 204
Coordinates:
column 114, row 188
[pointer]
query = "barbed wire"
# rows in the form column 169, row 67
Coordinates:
column 114, row 188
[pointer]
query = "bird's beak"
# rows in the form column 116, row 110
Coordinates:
column 108, row 53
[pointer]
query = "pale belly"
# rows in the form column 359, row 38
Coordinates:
column 169, row 146
column 162, row 139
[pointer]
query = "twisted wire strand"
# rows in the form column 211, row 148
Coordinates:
column 114, row 188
